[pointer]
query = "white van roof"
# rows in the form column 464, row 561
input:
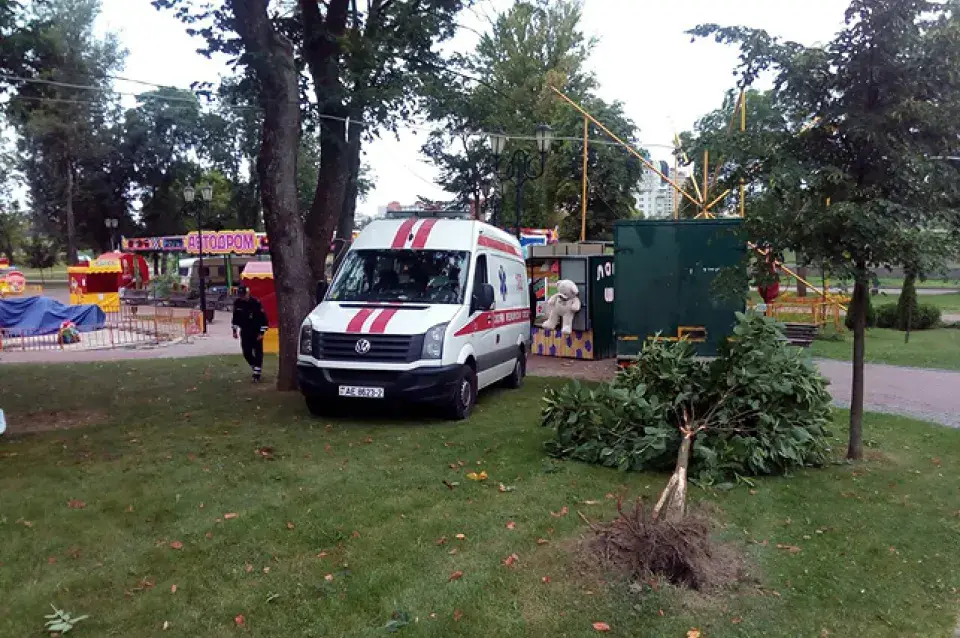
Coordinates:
column 436, row 234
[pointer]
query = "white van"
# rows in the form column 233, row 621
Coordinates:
column 423, row 308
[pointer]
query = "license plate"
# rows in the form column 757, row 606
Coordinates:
column 361, row 392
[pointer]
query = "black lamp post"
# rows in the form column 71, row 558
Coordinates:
column 111, row 223
column 520, row 166
column 206, row 192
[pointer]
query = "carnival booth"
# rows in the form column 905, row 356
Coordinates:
column 573, row 279
column 257, row 276
column 12, row 280
column 100, row 282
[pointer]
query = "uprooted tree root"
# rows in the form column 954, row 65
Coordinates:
column 679, row 551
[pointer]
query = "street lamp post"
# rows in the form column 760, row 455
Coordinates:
column 520, row 166
column 111, row 223
column 206, row 193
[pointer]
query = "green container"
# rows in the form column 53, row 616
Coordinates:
column 665, row 273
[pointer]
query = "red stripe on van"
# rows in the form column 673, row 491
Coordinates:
column 379, row 324
column 496, row 244
column 403, row 232
column 495, row 319
column 356, row 324
column 420, row 240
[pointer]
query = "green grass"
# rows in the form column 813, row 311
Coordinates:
column 948, row 303
column 938, row 348
column 172, row 447
column 893, row 282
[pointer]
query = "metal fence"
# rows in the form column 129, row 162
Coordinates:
column 130, row 326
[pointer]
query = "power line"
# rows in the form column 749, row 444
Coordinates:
column 193, row 101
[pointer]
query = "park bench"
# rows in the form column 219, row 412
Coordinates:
column 136, row 297
column 801, row 334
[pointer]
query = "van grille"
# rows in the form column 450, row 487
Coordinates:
column 383, row 348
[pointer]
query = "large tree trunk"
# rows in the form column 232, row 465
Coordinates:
column 272, row 60
column 68, row 210
column 348, row 215
column 859, row 309
column 328, row 200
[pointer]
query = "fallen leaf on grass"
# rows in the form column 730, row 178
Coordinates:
column 457, row 615
column 265, row 452
column 176, row 545
column 506, row 488
column 793, row 549
column 737, row 620
column 563, row 512
column 239, row 620
column 248, row 568
column 74, row 552
column 266, row 570
column 166, row 625
column 328, row 578
column 452, row 551
column 76, row 504
column 542, row 541
column 290, row 525
column 230, row 515
column 545, row 579
column 442, row 540
column 601, row 626
column 591, row 502
column 51, row 560
column 173, row 589
column 322, row 555
column 209, row 535
column 453, row 466
column 450, row 485
column 511, row 525
column 936, row 461
column 511, row 560
column 461, row 537
column 355, row 534
column 457, row 575
column 693, row 633
column 473, row 476
column 129, row 508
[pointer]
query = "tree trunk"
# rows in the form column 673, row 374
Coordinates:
column 801, row 287
column 859, row 309
column 672, row 504
column 348, row 215
column 272, row 60
column 68, row 209
column 328, row 198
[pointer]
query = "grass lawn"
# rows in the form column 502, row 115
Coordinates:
column 948, row 303
column 57, row 273
column 893, row 282
column 345, row 524
column 938, row 348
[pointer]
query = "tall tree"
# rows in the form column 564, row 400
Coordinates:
column 858, row 182
column 57, row 118
column 367, row 61
column 505, row 84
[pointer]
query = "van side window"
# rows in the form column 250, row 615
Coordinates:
column 480, row 276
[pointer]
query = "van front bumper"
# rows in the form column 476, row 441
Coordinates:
column 419, row 385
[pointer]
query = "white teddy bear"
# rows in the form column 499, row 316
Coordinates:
column 562, row 306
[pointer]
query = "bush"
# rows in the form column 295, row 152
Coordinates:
column 871, row 315
column 926, row 317
column 771, row 409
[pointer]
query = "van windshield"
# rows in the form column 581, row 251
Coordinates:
column 415, row 276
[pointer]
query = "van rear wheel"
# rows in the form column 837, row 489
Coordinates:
column 515, row 380
column 464, row 395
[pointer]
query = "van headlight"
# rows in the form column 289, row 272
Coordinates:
column 306, row 339
column 433, row 342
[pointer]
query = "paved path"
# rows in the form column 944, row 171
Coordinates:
column 930, row 395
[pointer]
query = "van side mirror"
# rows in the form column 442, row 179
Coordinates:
column 321, row 291
column 483, row 298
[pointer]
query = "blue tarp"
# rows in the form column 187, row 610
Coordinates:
column 33, row 316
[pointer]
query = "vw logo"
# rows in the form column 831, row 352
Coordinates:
column 362, row 347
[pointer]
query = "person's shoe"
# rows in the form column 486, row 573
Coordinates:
column 256, row 375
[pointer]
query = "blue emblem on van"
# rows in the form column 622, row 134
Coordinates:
column 503, row 283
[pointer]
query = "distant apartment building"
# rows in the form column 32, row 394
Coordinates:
column 657, row 199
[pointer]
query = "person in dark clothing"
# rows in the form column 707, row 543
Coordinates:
column 250, row 324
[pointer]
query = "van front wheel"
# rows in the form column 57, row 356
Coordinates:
column 316, row 405
column 464, row 394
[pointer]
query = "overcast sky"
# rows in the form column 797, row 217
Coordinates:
column 643, row 59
